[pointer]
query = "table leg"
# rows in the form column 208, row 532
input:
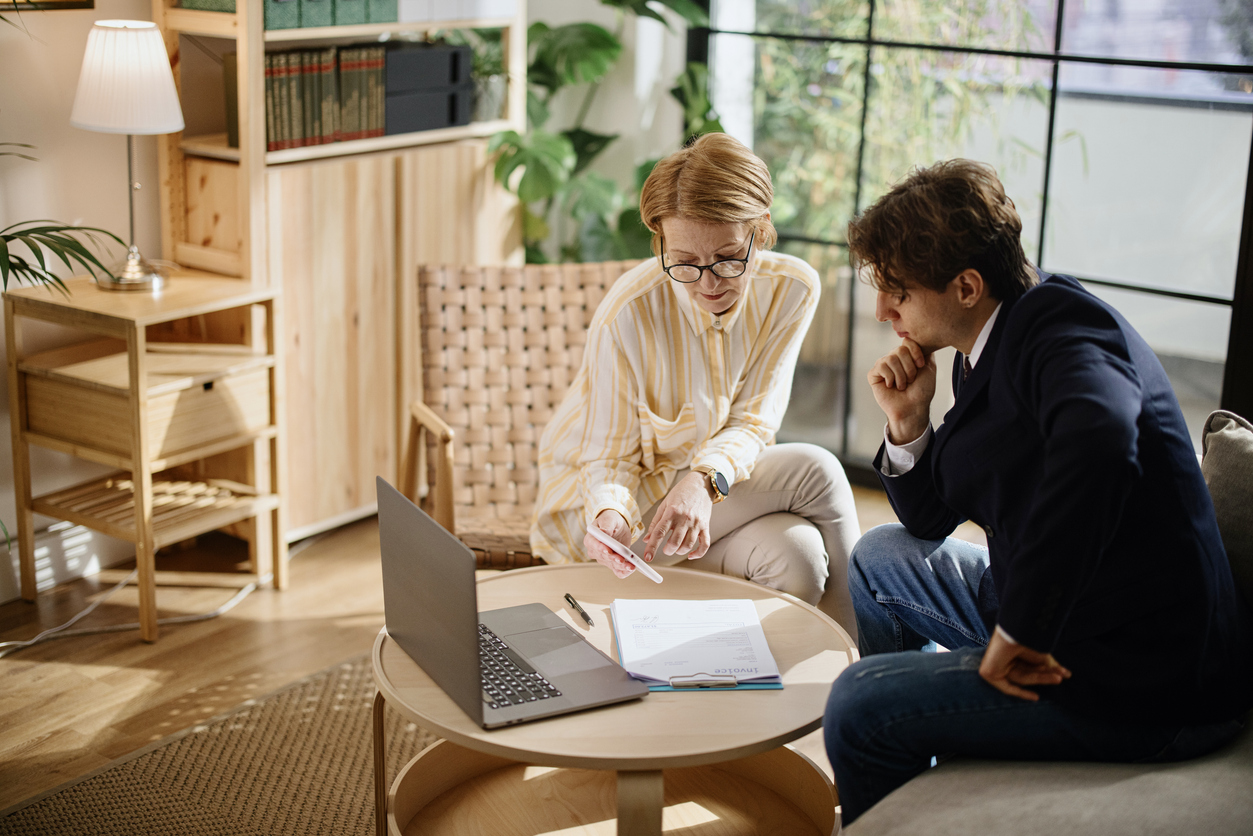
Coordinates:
column 640, row 799
column 380, row 768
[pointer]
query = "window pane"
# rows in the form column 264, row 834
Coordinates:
column 927, row 106
column 1200, row 31
column 1190, row 338
column 1148, row 190
column 833, row 18
column 1020, row 25
column 805, row 115
column 816, row 411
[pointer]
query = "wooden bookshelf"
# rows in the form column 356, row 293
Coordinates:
column 339, row 230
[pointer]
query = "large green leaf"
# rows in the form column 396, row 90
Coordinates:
column 636, row 239
column 576, row 53
column 587, row 145
column 686, row 9
column 536, row 110
column 692, row 91
column 534, row 227
column 593, row 194
column 546, row 160
column 600, row 242
column 642, row 171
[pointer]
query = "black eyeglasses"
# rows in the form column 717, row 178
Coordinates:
column 728, row 268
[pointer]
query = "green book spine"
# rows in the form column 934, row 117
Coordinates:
column 349, row 11
column 230, row 83
column 282, row 14
column 368, row 98
column 358, row 83
column 316, row 13
column 345, row 95
column 380, row 91
column 283, row 114
column 310, row 101
column 350, row 78
column 382, row 11
column 271, row 136
column 330, row 96
column 296, row 96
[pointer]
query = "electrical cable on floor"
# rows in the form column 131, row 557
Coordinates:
column 62, row 632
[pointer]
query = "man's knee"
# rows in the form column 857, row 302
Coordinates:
column 877, row 548
column 857, row 696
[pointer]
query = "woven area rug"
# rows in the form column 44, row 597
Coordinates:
column 299, row 761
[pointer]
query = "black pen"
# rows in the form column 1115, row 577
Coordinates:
column 570, row 600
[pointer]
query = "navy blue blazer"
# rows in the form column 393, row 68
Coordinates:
column 1067, row 445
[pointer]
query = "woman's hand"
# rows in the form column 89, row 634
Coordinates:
column 681, row 524
column 613, row 524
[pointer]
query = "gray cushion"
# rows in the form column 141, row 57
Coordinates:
column 1227, row 443
column 1209, row 796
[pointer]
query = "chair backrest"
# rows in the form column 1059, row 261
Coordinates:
column 500, row 346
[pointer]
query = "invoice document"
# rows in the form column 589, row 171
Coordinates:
column 679, row 644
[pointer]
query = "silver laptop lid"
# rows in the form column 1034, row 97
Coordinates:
column 429, row 600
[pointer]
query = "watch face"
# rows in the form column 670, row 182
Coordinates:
column 720, row 483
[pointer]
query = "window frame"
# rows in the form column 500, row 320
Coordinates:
column 1237, row 387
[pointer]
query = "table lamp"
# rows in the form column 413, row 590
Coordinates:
column 126, row 87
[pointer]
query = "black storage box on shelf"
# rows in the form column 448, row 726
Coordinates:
column 428, row 86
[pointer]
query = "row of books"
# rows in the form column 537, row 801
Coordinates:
column 316, row 96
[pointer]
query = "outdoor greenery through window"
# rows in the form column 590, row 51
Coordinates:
column 1121, row 129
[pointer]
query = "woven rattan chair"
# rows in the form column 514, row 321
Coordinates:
column 500, row 346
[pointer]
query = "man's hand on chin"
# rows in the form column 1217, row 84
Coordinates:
column 1008, row 667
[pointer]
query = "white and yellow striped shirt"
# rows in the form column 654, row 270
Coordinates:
column 663, row 386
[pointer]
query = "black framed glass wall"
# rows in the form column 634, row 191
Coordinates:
column 1122, row 130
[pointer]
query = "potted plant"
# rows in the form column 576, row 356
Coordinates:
column 30, row 249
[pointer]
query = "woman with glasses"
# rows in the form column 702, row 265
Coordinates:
column 664, row 440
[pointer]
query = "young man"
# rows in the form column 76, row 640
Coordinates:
column 1102, row 622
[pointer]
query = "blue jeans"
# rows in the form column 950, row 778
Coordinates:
column 892, row 712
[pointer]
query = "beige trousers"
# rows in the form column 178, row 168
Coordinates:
column 791, row 527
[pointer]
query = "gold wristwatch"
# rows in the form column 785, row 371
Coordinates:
column 719, row 487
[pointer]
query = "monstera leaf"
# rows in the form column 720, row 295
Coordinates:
column 686, row 9
column 587, row 145
column 692, row 91
column 576, row 53
column 547, row 161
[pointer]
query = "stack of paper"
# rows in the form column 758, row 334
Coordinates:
column 693, row 644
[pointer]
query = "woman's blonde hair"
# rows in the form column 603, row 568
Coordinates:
column 713, row 179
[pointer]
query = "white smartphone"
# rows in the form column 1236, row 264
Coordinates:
column 630, row 556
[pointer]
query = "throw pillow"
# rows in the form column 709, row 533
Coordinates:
column 1227, row 444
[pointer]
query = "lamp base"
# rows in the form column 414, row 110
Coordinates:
column 135, row 273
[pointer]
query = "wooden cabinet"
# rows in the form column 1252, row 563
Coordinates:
column 339, row 230
column 167, row 415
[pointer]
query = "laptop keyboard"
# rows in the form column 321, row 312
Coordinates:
column 507, row 678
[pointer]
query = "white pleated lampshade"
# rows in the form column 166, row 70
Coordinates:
column 126, row 86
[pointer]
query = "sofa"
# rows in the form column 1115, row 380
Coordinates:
column 1209, row 796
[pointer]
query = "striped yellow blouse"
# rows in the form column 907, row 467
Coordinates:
column 664, row 386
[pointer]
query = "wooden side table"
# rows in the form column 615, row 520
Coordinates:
column 147, row 407
column 713, row 759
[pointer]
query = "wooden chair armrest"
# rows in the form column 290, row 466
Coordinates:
column 413, row 473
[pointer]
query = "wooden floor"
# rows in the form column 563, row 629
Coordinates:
column 70, row 706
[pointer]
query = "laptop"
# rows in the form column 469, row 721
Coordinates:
column 502, row 666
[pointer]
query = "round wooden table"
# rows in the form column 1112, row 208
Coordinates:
column 557, row 775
